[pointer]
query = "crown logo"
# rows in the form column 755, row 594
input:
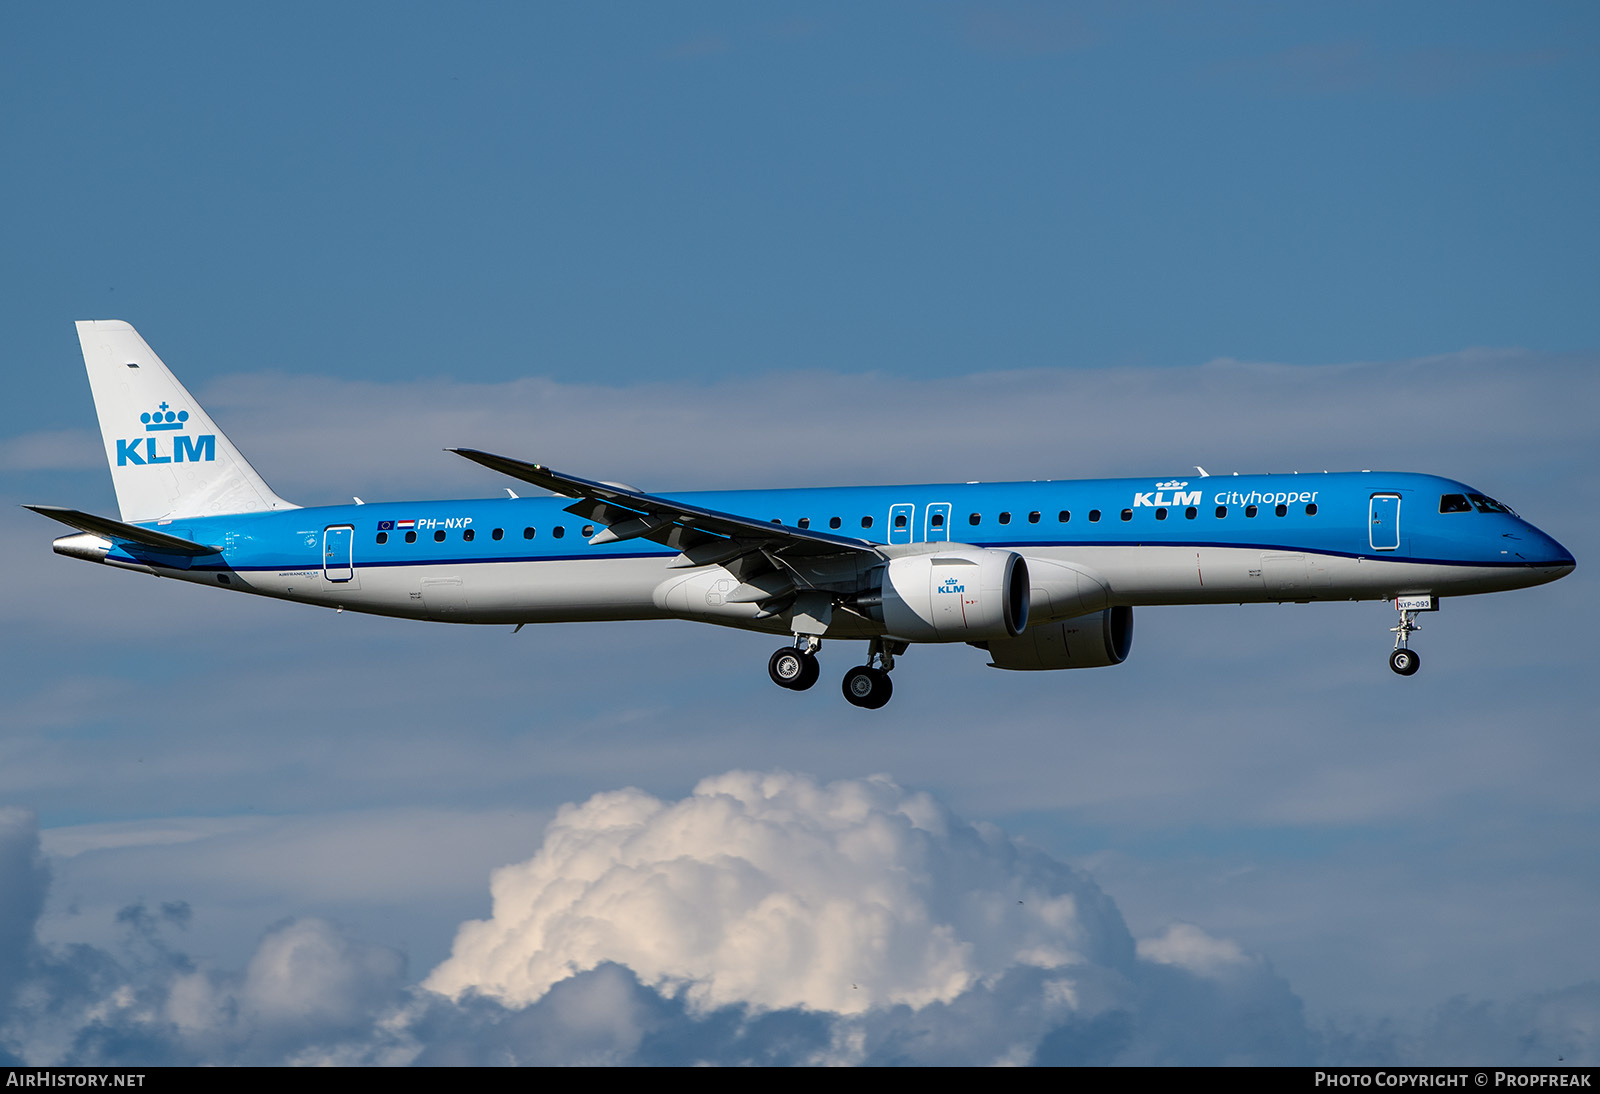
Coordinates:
column 163, row 419
column 1173, row 485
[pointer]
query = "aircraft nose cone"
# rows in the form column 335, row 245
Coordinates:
column 1556, row 559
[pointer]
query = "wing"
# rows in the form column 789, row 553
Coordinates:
column 704, row 536
column 122, row 533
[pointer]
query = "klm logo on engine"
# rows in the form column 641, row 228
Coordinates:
column 185, row 449
column 1158, row 496
column 951, row 585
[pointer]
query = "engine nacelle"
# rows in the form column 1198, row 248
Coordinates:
column 1087, row 642
column 1063, row 590
column 958, row 594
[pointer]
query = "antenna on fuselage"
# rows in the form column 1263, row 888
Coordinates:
column 1204, row 474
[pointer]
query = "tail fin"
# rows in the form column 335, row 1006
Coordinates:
column 168, row 458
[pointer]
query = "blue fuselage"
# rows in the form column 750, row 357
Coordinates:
column 1364, row 535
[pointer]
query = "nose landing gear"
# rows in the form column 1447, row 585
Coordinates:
column 1405, row 660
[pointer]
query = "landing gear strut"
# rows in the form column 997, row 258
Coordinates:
column 795, row 667
column 868, row 686
column 1405, row 660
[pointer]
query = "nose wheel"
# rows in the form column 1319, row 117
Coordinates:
column 1405, row 662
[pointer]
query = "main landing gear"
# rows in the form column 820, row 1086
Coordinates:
column 795, row 667
column 867, row 685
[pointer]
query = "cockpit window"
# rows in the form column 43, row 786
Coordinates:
column 1454, row 503
column 1489, row 505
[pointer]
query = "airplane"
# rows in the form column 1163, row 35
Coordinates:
column 1039, row 575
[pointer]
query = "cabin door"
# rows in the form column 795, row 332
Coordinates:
column 338, row 543
column 1383, row 522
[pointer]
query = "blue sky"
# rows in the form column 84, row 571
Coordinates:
column 723, row 245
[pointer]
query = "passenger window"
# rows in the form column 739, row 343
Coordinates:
column 498, row 533
column 438, row 537
column 1311, row 510
column 1005, row 518
column 938, row 520
column 1094, row 516
column 899, row 520
column 588, row 530
column 1222, row 510
column 805, row 522
column 1127, row 514
column 411, row 537
column 1064, row 516
column 469, row 535
column 974, row 519
column 834, row 522
column 1282, row 510
column 1033, row 517
column 1455, row 503
column 1161, row 514
column 383, row 537
column 558, row 531
column 527, row 533
column 866, row 522
column 1250, row 510
column 1190, row 513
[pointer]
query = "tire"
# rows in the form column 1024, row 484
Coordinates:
column 1405, row 662
column 867, row 687
column 787, row 668
column 811, row 673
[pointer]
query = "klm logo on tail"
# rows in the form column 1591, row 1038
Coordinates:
column 185, row 449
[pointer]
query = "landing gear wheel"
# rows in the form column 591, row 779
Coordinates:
column 813, row 671
column 793, row 669
column 867, row 687
column 1405, row 662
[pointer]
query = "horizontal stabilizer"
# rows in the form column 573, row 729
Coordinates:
column 122, row 533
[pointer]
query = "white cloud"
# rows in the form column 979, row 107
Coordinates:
column 1188, row 947
column 307, row 974
column 774, row 891
column 865, row 876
